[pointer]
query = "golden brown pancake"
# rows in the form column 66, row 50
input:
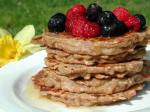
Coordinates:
column 93, row 46
column 92, row 86
column 73, row 71
column 65, row 57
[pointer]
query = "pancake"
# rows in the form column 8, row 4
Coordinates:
column 73, row 71
column 93, row 86
column 85, row 99
column 94, row 46
column 65, row 57
column 39, row 39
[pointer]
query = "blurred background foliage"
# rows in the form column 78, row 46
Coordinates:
column 15, row 14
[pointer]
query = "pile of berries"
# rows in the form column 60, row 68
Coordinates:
column 93, row 21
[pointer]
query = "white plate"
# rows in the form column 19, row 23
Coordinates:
column 15, row 76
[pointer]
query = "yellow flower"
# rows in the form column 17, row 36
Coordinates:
column 10, row 50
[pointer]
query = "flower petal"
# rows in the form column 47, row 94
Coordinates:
column 10, row 50
column 25, row 35
column 32, row 48
column 3, row 32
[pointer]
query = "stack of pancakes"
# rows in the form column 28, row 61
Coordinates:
column 92, row 71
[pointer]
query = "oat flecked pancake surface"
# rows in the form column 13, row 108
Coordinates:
column 93, row 86
column 62, row 56
column 85, row 99
column 119, row 70
column 94, row 46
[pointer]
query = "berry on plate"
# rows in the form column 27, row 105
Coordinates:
column 106, row 18
column 121, row 13
column 133, row 23
column 93, row 11
column 57, row 23
column 142, row 20
column 114, row 29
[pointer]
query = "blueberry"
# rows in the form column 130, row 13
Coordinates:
column 106, row 18
column 57, row 23
column 93, row 11
column 114, row 29
column 142, row 20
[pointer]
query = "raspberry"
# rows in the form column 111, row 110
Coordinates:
column 91, row 30
column 68, row 25
column 133, row 23
column 72, row 21
column 121, row 13
column 78, row 29
column 79, row 8
column 78, row 24
column 86, row 29
column 77, row 16
column 69, row 13
column 76, row 9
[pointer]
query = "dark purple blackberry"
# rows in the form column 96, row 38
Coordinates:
column 106, row 18
column 142, row 20
column 114, row 29
column 57, row 23
column 93, row 11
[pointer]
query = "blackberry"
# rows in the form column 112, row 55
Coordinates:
column 142, row 20
column 93, row 11
column 114, row 29
column 106, row 18
column 57, row 23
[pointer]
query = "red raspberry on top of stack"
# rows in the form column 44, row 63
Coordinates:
column 124, row 15
column 121, row 13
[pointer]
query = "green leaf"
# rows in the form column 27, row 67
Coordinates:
column 25, row 35
column 3, row 32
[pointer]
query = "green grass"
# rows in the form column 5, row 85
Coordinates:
column 15, row 14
